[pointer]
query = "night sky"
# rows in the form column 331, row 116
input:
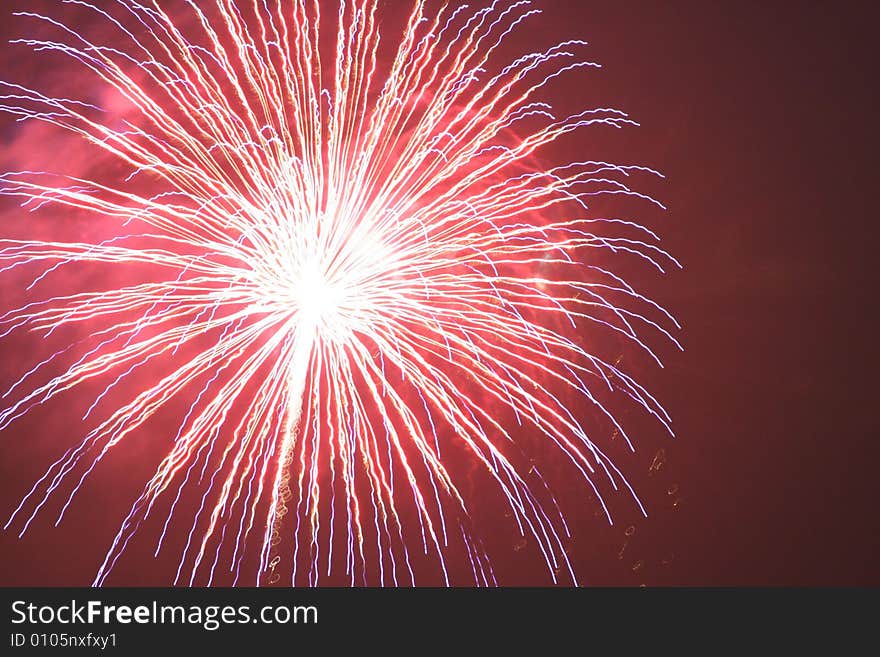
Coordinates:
column 762, row 118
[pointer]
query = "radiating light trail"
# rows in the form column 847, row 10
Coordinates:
column 354, row 273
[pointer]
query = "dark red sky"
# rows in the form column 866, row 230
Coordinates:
column 761, row 115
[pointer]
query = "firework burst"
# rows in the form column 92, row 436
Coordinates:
column 350, row 268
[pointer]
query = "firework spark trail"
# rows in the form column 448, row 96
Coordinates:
column 373, row 256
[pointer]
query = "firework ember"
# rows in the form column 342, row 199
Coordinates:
column 343, row 267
